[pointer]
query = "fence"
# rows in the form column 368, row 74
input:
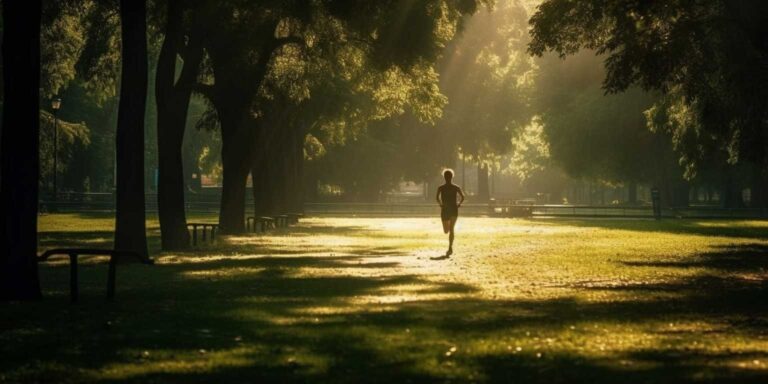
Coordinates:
column 209, row 203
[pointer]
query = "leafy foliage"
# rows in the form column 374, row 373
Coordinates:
column 709, row 55
column 486, row 76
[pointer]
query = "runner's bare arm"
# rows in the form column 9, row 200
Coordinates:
column 461, row 193
column 439, row 202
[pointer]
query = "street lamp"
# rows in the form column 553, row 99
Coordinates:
column 55, row 106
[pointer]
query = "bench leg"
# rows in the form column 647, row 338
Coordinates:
column 73, row 291
column 194, row 236
column 111, row 277
column 204, row 231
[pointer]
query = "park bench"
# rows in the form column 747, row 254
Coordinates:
column 512, row 211
column 519, row 211
column 206, row 227
column 281, row 221
column 269, row 222
column 293, row 218
column 259, row 224
column 74, row 253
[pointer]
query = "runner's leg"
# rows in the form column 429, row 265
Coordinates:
column 450, row 236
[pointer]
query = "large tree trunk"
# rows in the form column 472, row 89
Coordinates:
column 236, row 162
column 759, row 188
column 292, row 155
column 277, row 167
column 267, row 172
column 130, row 226
column 284, row 181
column 261, row 189
column 237, row 82
column 20, row 150
column 172, row 107
column 483, row 190
column 235, row 176
column 261, row 172
column 297, row 200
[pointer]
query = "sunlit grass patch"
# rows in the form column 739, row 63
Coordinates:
column 361, row 299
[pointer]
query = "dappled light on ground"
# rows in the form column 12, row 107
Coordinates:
column 352, row 299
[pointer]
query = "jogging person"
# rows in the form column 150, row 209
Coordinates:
column 447, row 196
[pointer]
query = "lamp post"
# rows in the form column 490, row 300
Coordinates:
column 55, row 106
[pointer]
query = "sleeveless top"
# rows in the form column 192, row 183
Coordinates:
column 448, row 194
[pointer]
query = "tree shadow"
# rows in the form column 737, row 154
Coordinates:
column 331, row 318
column 81, row 239
column 728, row 258
column 716, row 228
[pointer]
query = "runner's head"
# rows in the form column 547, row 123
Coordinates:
column 448, row 175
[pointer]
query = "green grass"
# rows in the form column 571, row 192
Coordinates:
column 359, row 299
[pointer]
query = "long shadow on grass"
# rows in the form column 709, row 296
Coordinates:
column 262, row 320
column 84, row 239
column 734, row 229
column 731, row 258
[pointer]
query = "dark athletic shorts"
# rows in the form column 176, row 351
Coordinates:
column 448, row 212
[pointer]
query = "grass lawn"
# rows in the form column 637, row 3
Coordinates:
column 360, row 299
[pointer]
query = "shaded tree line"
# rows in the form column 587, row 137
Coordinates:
column 705, row 61
column 258, row 65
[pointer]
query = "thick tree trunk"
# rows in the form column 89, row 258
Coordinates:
column 263, row 183
column 272, row 187
column 20, row 150
column 297, row 202
column 261, row 164
column 235, row 176
column 483, row 187
column 759, row 188
column 287, row 183
column 237, row 82
column 172, row 106
column 236, row 162
column 130, row 225
column 261, row 186
column 277, row 169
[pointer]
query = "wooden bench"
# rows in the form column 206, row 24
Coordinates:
column 74, row 253
column 205, row 226
column 281, row 221
column 267, row 222
column 293, row 218
column 259, row 224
